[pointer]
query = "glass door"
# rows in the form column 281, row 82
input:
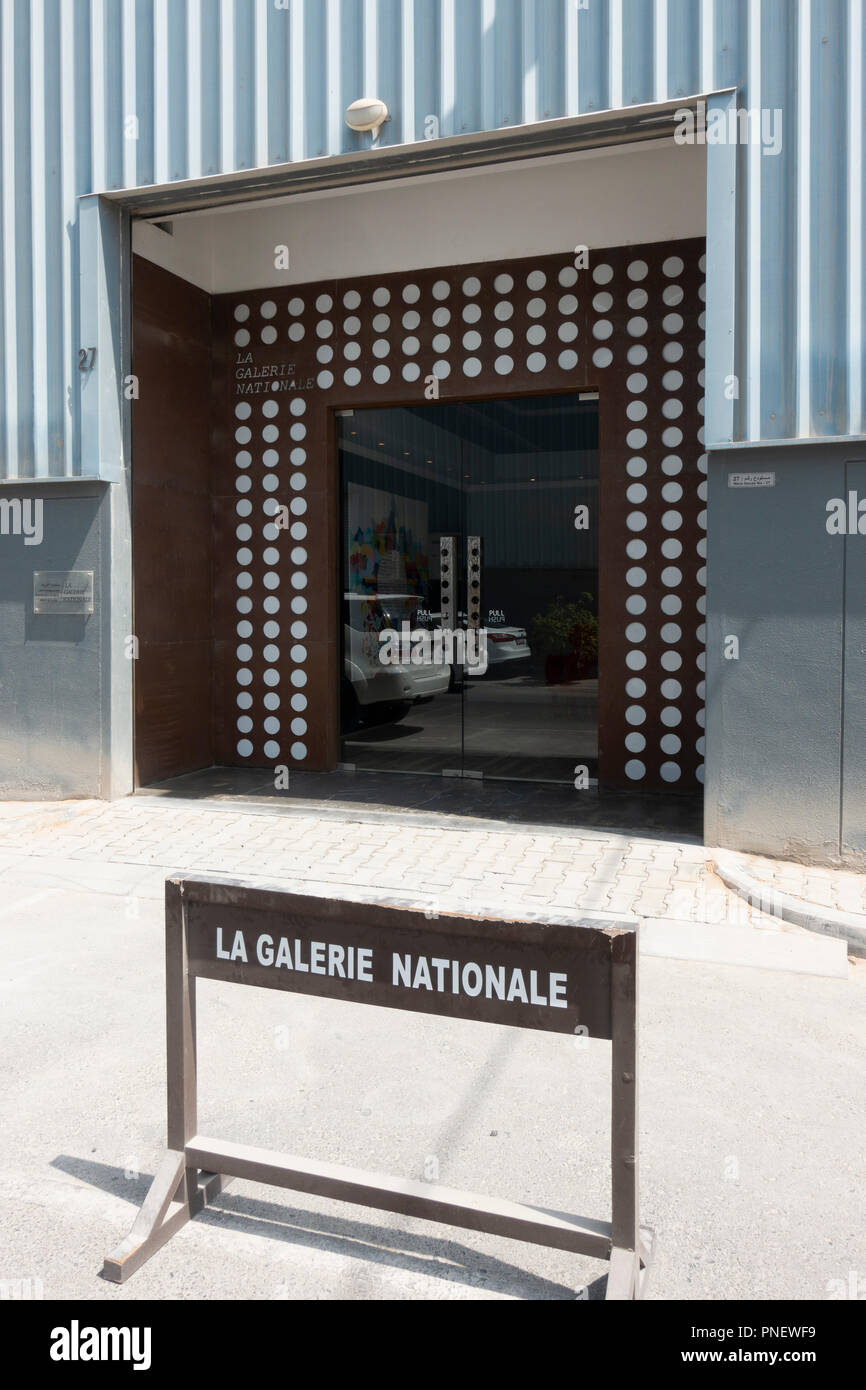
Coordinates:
column 470, row 610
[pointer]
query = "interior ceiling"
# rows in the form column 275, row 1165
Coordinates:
column 521, row 424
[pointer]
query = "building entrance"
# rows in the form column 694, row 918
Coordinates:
column 470, row 588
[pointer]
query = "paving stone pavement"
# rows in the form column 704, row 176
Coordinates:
column 597, row 871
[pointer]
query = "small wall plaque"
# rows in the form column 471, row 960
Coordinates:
column 751, row 480
column 68, row 592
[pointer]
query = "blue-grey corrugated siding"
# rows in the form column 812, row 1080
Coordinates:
column 107, row 94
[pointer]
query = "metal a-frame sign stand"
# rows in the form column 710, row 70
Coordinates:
column 562, row 975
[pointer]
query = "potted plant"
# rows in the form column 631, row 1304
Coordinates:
column 566, row 635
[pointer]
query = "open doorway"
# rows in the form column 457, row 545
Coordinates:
column 470, row 593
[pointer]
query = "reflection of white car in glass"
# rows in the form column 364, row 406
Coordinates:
column 384, row 694
column 506, row 644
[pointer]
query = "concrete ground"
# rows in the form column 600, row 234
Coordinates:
column 752, row 1081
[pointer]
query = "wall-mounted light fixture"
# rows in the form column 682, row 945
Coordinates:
column 368, row 114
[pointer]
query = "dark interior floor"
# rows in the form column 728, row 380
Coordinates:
column 674, row 817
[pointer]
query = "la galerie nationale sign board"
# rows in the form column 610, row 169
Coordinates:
column 551, row 976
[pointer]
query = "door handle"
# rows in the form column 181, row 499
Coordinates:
column 474, row 566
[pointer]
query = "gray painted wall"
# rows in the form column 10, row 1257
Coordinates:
column 53, row 700
column 795, row 597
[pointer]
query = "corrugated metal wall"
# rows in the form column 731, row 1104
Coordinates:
column 107, row 94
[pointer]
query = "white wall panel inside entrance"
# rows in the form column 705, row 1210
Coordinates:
column 630, row 195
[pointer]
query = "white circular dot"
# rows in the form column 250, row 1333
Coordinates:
column 504, row 365
column 671, row 634
column 637, row 495
column 672, row 578
column 441, row 370
column 352, row 377
column 568, row 305
column 242, row 338
column 636, row 578
column 411, row 371
column 351, row 300
column 381, row 347
column 636, row 716
column 472, row 287
column 441, row 290
column 671, row 772
column 381, row 298
column 325, row 381
column 568, row 277
column 536, row 362
column 636, row 550
column 602, row 330
column 411, row 346
column 381, row 375
column 603, row 357
column 672, row 550
column 672, row 521
column 411, row 294
column 637, row 327
column 673, row 267
column 636, row 661
column 636, row 689
column 634, row 634
column 245, row 748
column 635, row 743
column 635, row 771
column 352, row 327
column 638, row 270
column 568, row 360
column 637, row 355
column 603, row 274
column 671, row 605
column 636, row 605
column 536, row 335
column 672, row 323
column 637, row 383
column 471, row 341
column 637, row 411
column 503, row 284
column 269, row 335
column 672, row 296
column 638, row 299
column 442, row 343
column 673, row 352
column 536, row 308
column 297, row 332
column 442, row 318
column 242, row 313
column 636, row 439
column 636, row 467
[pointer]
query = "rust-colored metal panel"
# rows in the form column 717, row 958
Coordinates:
column 172, row 529
column 629, row 325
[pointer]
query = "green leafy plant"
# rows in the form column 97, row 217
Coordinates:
column 567, row 629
